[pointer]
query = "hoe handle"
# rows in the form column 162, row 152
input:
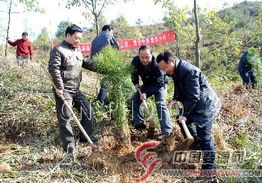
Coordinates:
column 71, row 111
column 185, row 128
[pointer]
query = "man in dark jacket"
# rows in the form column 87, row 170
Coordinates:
column 24, row 49
column 201, row 104
column 154, row 83
column 245, row 69
column 65, row 65
column 105, row 38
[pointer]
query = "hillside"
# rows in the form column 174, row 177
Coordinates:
column 239, row 11
column 30, row 146
column 30, row 151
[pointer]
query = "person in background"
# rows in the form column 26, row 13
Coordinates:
column 24, row 49
column 245, row 67
column 105, row 38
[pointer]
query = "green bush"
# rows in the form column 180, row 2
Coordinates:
column 254, row 58
column 116, row 77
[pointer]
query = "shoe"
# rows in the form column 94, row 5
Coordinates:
column 140, row 126
column 71, row 150
column 162, row 136
column 92, row 138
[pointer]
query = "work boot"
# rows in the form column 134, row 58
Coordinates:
column 94, row 139
column 140, row 126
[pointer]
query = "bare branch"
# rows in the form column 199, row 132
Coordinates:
column 102, row 7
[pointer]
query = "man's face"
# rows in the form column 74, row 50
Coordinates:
column 145, row 57
column 167, row 68
column 75, row 38
column 24, row 37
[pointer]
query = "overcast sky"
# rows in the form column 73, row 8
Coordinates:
column 146, row 10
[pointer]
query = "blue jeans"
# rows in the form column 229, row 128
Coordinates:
column 203, row 137
column 22, row 60
column 162, row 111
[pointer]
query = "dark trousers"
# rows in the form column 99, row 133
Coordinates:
column 102, row 95
column 79, row 101
column 248, row 78
column 203, row 137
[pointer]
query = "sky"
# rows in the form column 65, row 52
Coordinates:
column 146, row 10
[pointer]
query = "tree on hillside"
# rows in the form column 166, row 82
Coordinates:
column 197, row 35
column 95, row 7
column 29, row 5
column 43, row 41
column 124, row 30
column 245, row 21
column 61, row 28
column 178, row 20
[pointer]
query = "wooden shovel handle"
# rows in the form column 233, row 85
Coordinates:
column 71, row 110
column 185, row 128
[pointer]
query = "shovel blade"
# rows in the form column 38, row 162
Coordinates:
column 151, row 129
column 183, row 145
column 151, row 132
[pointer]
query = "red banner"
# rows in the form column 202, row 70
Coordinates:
column 125, row 44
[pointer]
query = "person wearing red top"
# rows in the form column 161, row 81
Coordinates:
column 24, row 49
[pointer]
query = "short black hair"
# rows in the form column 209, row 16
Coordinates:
column 105, row 27
column 72, row 29
column 24, row 34
column 166, row 56
column 144, row 47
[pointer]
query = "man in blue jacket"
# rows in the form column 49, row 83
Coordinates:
column 201, row 104
column 154, row 83
column 105, row 38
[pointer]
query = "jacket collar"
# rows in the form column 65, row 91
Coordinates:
column 68, row 45
column 177, row 68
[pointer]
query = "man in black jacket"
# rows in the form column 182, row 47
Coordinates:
column 154, row 83
column 65, row 65
column 105, row 38
column 200, row 102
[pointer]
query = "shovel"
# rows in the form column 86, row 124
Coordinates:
column 94, row 147
column 189, row 138
column 151, row 127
